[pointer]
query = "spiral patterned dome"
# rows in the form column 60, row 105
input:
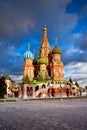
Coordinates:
column 28, row 55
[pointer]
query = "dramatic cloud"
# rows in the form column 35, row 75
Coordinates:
column 78, row 72
column 74, row 56
column 21, row 16
column 81, row 42
column 13, row 20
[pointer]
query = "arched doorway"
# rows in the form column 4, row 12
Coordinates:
column 37, row 88
column 29, row 91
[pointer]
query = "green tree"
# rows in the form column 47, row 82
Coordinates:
column 70, row 80
column 3, row 87
column 26, row 80
column 6, row 76
column 76, row 83
column 41, row 78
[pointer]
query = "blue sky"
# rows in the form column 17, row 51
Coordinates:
column 22, row 21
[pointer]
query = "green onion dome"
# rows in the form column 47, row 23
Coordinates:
column 42, row 60
column 28, row 55
column 56, row 50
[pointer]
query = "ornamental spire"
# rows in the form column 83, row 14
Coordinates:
column 45, row 30
column 56, row 41
column 45, row 47
column 28, row 46
column 45, row 40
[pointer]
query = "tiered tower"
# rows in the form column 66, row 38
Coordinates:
column 43, row 57
column 28, row 69
column 57, row 65
column 45, row 47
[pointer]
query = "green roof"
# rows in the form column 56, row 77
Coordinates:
column 42, row 60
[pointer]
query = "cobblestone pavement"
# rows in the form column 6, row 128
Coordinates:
column 44, row 115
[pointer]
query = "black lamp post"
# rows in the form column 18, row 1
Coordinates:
column 60, row 91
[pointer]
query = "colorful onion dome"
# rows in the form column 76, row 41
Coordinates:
column 28, row 55
column 42, row 60
column 56, row 50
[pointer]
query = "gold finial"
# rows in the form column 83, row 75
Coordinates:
column 56, row 41
column 45, row 28
column 34, row 51
column 44, row 25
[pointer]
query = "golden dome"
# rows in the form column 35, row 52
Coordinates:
column 44, row 29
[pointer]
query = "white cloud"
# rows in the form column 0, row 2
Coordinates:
column 73, row 50
column 77, row 71
column 16, row 78
column 77, row 35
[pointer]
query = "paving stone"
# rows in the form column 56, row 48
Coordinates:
column 44, row 115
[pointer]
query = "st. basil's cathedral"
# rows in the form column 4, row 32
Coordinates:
column 45, row 74
column 48, row 65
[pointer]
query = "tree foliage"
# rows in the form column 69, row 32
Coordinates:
column 26, row 80
column 70, row 80
column 40, row 77
column 6, row 76
column 76, row 83
column 3, row 87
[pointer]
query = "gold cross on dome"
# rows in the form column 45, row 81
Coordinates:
column 56, row 40
column 34, row 51
column 28, row 46
column 44, row 24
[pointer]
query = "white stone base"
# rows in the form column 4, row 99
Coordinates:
column 25, row 97
column 20, row 96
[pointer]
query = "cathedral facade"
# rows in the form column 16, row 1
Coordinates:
column 48, row 65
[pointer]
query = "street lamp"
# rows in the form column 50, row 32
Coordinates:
column 60, row 91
